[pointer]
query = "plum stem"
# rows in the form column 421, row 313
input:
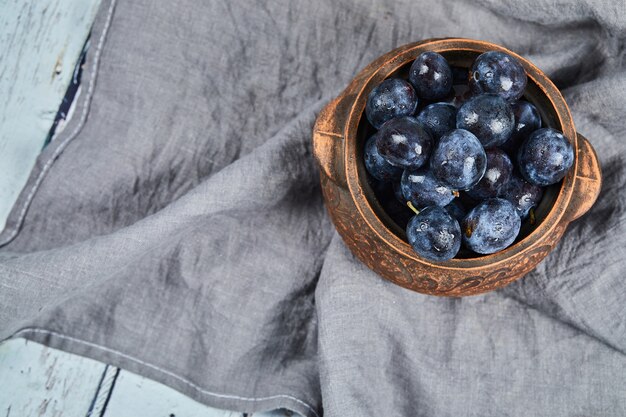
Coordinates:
column 408, row 203
column 532, row 215
column 455, row 193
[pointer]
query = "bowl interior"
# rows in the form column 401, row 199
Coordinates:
column 462, row 59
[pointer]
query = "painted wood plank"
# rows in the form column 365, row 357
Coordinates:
column 40, row 42
column 134, row 396
column 37, row 381
column 104, row 392
column 48, row 382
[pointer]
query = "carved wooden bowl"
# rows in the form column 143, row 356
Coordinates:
column 338, row 139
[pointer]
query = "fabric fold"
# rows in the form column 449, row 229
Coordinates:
column 181, row 232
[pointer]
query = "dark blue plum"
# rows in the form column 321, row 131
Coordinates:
column 404, row 142
column 523, row 195
column 390, row 99
column 497, row 174
column 431, row 76
column 498, row 73
column 459, row 160
column 434, row 234
column 490, row 226
column 438, row 119
column 545, row 157
column 527, row 120
column 377, row 166
column 422, row 189
column 489, row 117
column 456, row 209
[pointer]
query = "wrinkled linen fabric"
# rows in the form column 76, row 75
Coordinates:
column 177, row 229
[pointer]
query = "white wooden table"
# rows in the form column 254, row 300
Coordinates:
column 36, row 380
column 40, row 42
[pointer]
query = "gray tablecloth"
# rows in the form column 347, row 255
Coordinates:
column 177, row 229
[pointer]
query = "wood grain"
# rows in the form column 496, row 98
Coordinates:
column 40, row 41
column 37, row 381
column 137, row 396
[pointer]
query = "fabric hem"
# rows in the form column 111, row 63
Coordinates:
column 114, row 357
column 53, row 151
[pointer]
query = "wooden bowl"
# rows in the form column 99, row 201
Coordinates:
column 338, row 139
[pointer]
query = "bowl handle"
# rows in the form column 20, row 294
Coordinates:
column 328, row 139
column 588, row 181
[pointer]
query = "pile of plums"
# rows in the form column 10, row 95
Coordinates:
column 463, row 159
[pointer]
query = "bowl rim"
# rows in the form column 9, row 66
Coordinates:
column 393, row 61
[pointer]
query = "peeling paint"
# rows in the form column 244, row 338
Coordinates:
column 58, row 65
